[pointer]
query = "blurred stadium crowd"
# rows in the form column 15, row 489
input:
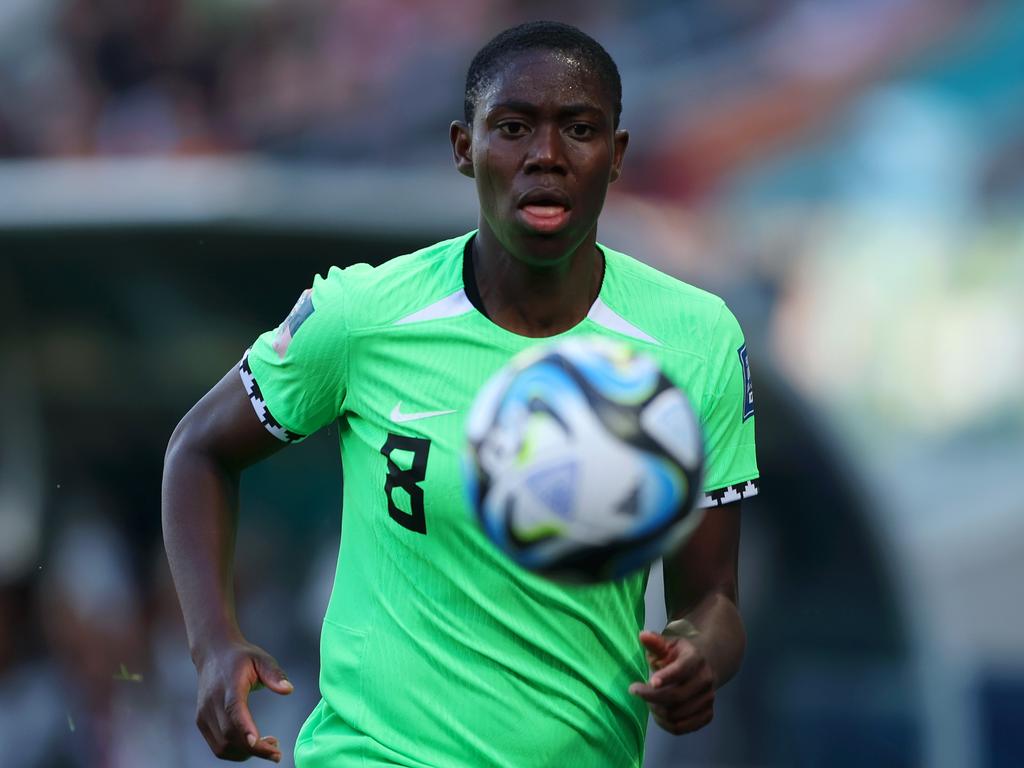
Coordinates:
column 851, row 174
column 712, row 84
column 100, row 77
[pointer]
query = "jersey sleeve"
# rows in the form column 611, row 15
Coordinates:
column 727, row 417
column 295, row 375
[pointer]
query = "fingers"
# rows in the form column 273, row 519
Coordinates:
column 237, row 719
column 677, row 685
column 687, row 723
column 659, row 649
column 271, row 676
column 681, row 690
column 240, row 719
column 224, row 717
column 235, row 736
column 685, row 709
column 680, row 666
column 653, row 642
column 268, row 748
column 236, row 728
column 689, row 664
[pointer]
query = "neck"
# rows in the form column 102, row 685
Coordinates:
column 533, row 299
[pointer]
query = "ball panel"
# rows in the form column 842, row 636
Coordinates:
column 612, row 372
column 555, row 486
column 669, row 419
column 583, row 461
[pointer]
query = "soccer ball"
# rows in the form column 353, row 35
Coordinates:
column 583, row 461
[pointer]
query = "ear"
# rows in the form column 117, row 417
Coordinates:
column 461, row 136
column 621, row 140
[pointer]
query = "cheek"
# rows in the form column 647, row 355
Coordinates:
column 488, row 185
column 484, row 173
column 496, row 169
column 598, row 172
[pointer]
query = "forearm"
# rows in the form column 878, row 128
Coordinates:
column 716, row 628
column 199, row 513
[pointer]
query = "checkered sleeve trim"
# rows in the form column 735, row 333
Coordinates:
column 259, row 405
column 729, row 494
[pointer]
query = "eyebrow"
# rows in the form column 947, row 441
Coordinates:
column 531, row 108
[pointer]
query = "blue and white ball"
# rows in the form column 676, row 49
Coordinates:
column 584, row 461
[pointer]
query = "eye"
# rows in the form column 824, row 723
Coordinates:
column 581, row 131
column 513, row 128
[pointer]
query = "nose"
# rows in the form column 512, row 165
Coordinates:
column 546, row 151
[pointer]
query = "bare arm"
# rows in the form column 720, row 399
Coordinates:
column 215, row 440
column 703, row 644
column 701, row 588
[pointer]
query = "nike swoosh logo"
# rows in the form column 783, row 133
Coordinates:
column 400, row 418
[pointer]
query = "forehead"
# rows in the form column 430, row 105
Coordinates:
column 545, row 78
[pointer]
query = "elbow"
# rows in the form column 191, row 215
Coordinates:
column 729, row 594
column 181, row 440
column 177, row 447
column 185, row 451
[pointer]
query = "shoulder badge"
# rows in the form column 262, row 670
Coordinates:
column 286, row 331
column 748, row 390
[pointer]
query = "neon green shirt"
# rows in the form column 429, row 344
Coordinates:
column 436, row 650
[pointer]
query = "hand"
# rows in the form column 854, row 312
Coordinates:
column 226, row 677
column 681, row 691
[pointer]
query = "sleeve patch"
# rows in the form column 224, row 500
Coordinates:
column 748, row 389
column 729, row 494
column 286, row 331
column 259, row 405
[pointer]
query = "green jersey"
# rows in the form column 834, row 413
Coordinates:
column 436, row 649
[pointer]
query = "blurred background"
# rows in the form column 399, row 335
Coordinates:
column 849, row 175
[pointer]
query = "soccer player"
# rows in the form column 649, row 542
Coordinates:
column 437, row 650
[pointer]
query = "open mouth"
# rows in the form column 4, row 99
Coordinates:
column 544, row 210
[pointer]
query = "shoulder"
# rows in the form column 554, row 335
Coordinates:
column 370, row 296
column 679, row 315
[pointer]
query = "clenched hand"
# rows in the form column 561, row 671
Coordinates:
column 681, row 689
column 226, row 677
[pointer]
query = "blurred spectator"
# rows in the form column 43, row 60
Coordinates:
column 91, row 616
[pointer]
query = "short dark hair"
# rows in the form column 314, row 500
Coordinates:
column 541, row 35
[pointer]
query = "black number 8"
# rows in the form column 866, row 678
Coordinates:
column 407, row 480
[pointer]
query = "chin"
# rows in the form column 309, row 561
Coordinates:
column 530, row 246
column 543, row 249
